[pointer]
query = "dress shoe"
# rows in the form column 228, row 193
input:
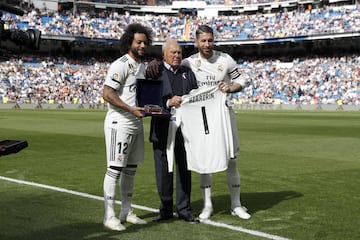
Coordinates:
column 189, row 218
column 162, row 218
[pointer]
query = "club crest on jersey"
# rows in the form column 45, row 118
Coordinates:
column 198, row 63
column 220, row 68
column 115, row 77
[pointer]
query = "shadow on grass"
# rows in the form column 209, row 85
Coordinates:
column 77, row 231
column 252, row 201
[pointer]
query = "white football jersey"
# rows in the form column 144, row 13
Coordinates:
column 121, row 76
column 205, row 124
column 220, row 67
column 210, row 72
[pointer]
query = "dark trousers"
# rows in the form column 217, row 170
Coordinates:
column 165, row 179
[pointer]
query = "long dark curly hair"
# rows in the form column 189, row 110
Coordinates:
column 128, row 36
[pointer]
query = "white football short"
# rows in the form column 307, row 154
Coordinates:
column 122, row 148
column 234, row 130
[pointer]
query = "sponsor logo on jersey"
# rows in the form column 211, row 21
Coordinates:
column 208, row 83
column 131, row 67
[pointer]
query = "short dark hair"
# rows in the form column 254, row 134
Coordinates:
column 204, row 29
column 128, row 36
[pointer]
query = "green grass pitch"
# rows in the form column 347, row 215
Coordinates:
column 300, row 178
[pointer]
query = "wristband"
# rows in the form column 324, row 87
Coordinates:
column 132, row 110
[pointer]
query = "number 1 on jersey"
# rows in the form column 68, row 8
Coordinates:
column 206, row 125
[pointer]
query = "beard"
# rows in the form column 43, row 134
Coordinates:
column 207, row 53
column 136, row 53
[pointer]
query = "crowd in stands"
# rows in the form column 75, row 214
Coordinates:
column 300, row 22
column 311, row 80
column 51, row 80
column 169, row 2
column 308, row 80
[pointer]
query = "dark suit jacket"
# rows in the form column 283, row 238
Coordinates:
column 159, row 125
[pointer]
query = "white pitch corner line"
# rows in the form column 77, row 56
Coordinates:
column 209, row 222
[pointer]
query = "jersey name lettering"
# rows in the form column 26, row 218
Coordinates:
column 201, row 98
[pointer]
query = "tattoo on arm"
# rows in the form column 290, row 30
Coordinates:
column 112, row 97
column 235, row 87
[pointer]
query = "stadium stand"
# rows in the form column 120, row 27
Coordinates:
column 307, row 81
column 303, row 55
column 285, row 26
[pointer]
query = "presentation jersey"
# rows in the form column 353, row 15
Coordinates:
column 205, row 124
column 121, row 76
column 210, row 72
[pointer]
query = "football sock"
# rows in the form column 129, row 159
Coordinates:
column 233, row 181
column 110, row 182
column 126, row 189
column 205, row 187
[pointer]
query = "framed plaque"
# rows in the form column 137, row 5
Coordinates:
column 149, row 96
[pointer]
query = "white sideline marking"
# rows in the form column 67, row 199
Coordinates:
column 244, row 230
column 209, row 222
column 64, row 190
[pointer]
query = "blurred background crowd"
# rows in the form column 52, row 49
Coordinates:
column 110, row 24
column 311, row 79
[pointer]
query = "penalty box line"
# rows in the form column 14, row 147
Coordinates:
column 90, row 196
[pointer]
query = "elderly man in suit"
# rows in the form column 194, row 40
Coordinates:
column 177, row 81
